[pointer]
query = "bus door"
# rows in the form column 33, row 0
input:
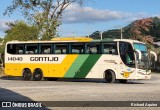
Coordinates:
column 127, row 65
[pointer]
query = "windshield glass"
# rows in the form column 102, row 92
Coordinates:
column 141, row 47
column 127, row 54
column 144, row 62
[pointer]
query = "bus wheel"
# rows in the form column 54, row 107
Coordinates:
column 27, row 74
column 37, row 75
column 110, row 76
column 123, row 81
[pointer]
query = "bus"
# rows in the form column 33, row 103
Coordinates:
column 78, row 58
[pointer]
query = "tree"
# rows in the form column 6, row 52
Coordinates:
column 21, row 31
column 46, row 14
column 1, row 45
column 155, row 29
column 140, row 30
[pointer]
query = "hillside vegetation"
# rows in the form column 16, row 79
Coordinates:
column 145, row 30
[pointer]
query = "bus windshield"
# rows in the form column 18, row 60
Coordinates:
column 144, row 62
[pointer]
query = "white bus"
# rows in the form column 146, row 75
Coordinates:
column 117, row 59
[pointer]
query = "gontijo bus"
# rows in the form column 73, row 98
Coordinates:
column 118, row 59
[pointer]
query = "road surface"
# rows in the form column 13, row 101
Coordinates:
column 15, row 89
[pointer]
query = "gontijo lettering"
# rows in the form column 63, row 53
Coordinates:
column 43, row 58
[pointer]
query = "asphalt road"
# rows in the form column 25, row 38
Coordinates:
column 15, row 89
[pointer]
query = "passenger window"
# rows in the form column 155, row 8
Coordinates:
column 93, row 48
column 77, row 48
column 45, row 49
column 60, row 48
column 110, row 48
column 15, row 48
column 19, row 49
column 31, row 49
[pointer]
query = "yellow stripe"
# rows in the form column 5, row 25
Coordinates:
column 79, row 39
column 49, row 70
column 59, row 70
column 15, row 69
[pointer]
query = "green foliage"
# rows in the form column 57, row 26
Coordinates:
column 2, row 49
column 1, row 46
column 21, row 31
column 144, row 29
column 155, row 29
column 1, row 40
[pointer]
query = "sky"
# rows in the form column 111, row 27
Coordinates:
column 95, row 15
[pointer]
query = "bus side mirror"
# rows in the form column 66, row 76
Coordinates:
column 155, row 55
column 139, row 54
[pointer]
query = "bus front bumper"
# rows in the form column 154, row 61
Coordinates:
column 143, row 75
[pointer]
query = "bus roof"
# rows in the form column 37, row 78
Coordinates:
column 83, row 39
column 77, row 39
column 129, row 40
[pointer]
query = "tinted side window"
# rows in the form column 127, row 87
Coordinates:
column 61, row 48
column 77, row 48
column 15, row 48
column 31, row 48
column 93, row 48
column 45, row 49
column 109, row 48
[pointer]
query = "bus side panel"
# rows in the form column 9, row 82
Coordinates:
column 114, row 63
column 59, row 70
column 33, row 66
column 88, row 64
column 104, row 63
column 16, row 69
column 76, row 65
column 13, row 69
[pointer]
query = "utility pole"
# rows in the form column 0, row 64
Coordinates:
column 101, row 34
column 88, row 29
column 121, row 32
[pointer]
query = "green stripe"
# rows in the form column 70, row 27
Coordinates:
column 75, row 66
column 87, row 66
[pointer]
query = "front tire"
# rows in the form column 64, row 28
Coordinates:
column 37, row 75
column 110, row 76
column 27, row 74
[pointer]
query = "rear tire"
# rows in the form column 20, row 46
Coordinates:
column 123, row 81
column 110, row 76
column 27, row 74
column 37, row 75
